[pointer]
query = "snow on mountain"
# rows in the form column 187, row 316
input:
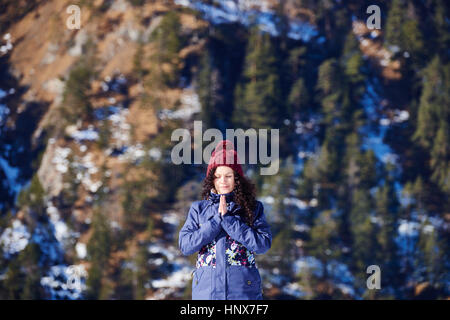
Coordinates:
column 8, row 46
column 190, row 105
column 65, row 282
column 62, row 231
column 226, row 11
column 12, row 176
column 338, row 272
column 15, row 238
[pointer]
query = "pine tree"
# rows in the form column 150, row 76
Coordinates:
column 258, row 95
column 387, row 210
column 98, row 249
column 432, row 130
column 29, row 261
column 298, row 99
column 434, row 102
column 440, row 157
column 94, row 282
column 308, row 179
column 324, row 239
column 32, row 198
column 412, row 41
column 125, row 288
column 76, row 104
column 279, row 186
column 142, row 274
column 363, row 233
column 208, row 87
column 330, row 158
column 14, row 280
column 367, row 162
column 352, row 60
column 432, row 255
column 168, row 37
column 281, row 250
column 394, row 23
column 440, row 21
column 329, row 84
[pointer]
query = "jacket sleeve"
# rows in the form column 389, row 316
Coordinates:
column 193, row 235
column 257, row 238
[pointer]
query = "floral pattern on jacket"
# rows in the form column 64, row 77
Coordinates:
column 207, row 255
column 237, row 254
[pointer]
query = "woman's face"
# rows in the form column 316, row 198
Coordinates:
column 224, row 179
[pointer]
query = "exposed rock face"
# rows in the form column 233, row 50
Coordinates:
column 51, row 178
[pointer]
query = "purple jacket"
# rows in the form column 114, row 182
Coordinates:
column 226, row 268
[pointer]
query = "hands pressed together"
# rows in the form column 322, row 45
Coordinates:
column 223, row 206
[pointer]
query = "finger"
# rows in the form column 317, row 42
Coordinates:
column 223, row 204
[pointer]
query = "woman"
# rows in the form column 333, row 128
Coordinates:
column 227, row 228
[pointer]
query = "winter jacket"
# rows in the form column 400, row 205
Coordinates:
column 226, row 268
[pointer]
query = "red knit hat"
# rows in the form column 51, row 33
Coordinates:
column 225, row 155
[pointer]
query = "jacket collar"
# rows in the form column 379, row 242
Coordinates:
column 215, row 197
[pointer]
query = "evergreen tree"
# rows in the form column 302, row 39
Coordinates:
column 94, row 282
column 258, row 95
column 308, row 179
column 125, row 287
column 298, row 99
column 142, row 274
column 281, row 251
column 412, row 41
column 324, row 239
column 440, row 21
column 32, row 199
column 367, row 163
column 76, row 104
column 431, row 103
column 13, row 282
column 394, row 23
column 168, row 37
column 165, row 68
column 387, row 210
column 29, row 261
column 352, row 60
column 432, row 255
column 98, row 249
column 432, row 130
column 440, row 157
column 363, row 234
column 208, row 90
column 329, row 84
column 329, row 163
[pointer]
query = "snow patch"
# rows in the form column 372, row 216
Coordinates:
column 65, row 282
column 224, row 11
column 14, row 239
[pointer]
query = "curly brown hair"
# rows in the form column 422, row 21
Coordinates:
column 244, row 194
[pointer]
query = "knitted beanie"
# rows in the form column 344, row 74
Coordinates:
column 225, row 155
